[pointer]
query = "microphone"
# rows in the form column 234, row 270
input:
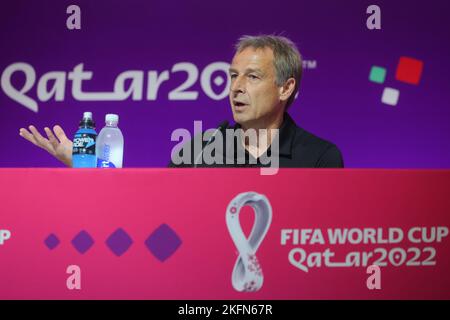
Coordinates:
column 223, row 125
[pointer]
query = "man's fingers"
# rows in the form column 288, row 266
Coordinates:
column 42, row 142
column 51, row 137
column 28, row 136
column 60, row 133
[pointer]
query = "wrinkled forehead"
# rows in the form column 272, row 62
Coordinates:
column 253, row 58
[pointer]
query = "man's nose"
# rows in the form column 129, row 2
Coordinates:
column 238, row 85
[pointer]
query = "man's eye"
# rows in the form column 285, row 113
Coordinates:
column 232, row 76
column 252, row 76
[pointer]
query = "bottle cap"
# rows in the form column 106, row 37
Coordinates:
column 110, row 117
column 87, row 121
column 87, row 115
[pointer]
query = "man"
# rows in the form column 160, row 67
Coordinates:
column 265, row 74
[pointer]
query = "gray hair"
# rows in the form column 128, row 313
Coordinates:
column 287, row 58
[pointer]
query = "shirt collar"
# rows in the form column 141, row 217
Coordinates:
column 287, row 133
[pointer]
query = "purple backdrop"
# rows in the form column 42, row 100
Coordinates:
column 336, row 101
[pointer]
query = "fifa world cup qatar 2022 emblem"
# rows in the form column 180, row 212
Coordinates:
column 247, row 274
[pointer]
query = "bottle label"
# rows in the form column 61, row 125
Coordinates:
column 106, row 152
column 104, row 164
column 84, row 143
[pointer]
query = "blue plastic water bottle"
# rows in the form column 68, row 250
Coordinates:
column 83, row 151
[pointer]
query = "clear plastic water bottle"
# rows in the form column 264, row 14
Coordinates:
column 110, row 144
column 83, row 150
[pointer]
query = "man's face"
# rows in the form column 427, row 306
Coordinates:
column 254, row 96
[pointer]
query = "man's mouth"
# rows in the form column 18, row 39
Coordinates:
column 239, row 105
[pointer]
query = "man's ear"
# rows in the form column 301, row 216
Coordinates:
column 287, row 89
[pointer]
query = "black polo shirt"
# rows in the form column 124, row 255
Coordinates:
column 298, row 148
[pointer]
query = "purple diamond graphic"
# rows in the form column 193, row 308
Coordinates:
column 82, row 242
column 163, row 242
column 119, row 242
column 51, row 241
